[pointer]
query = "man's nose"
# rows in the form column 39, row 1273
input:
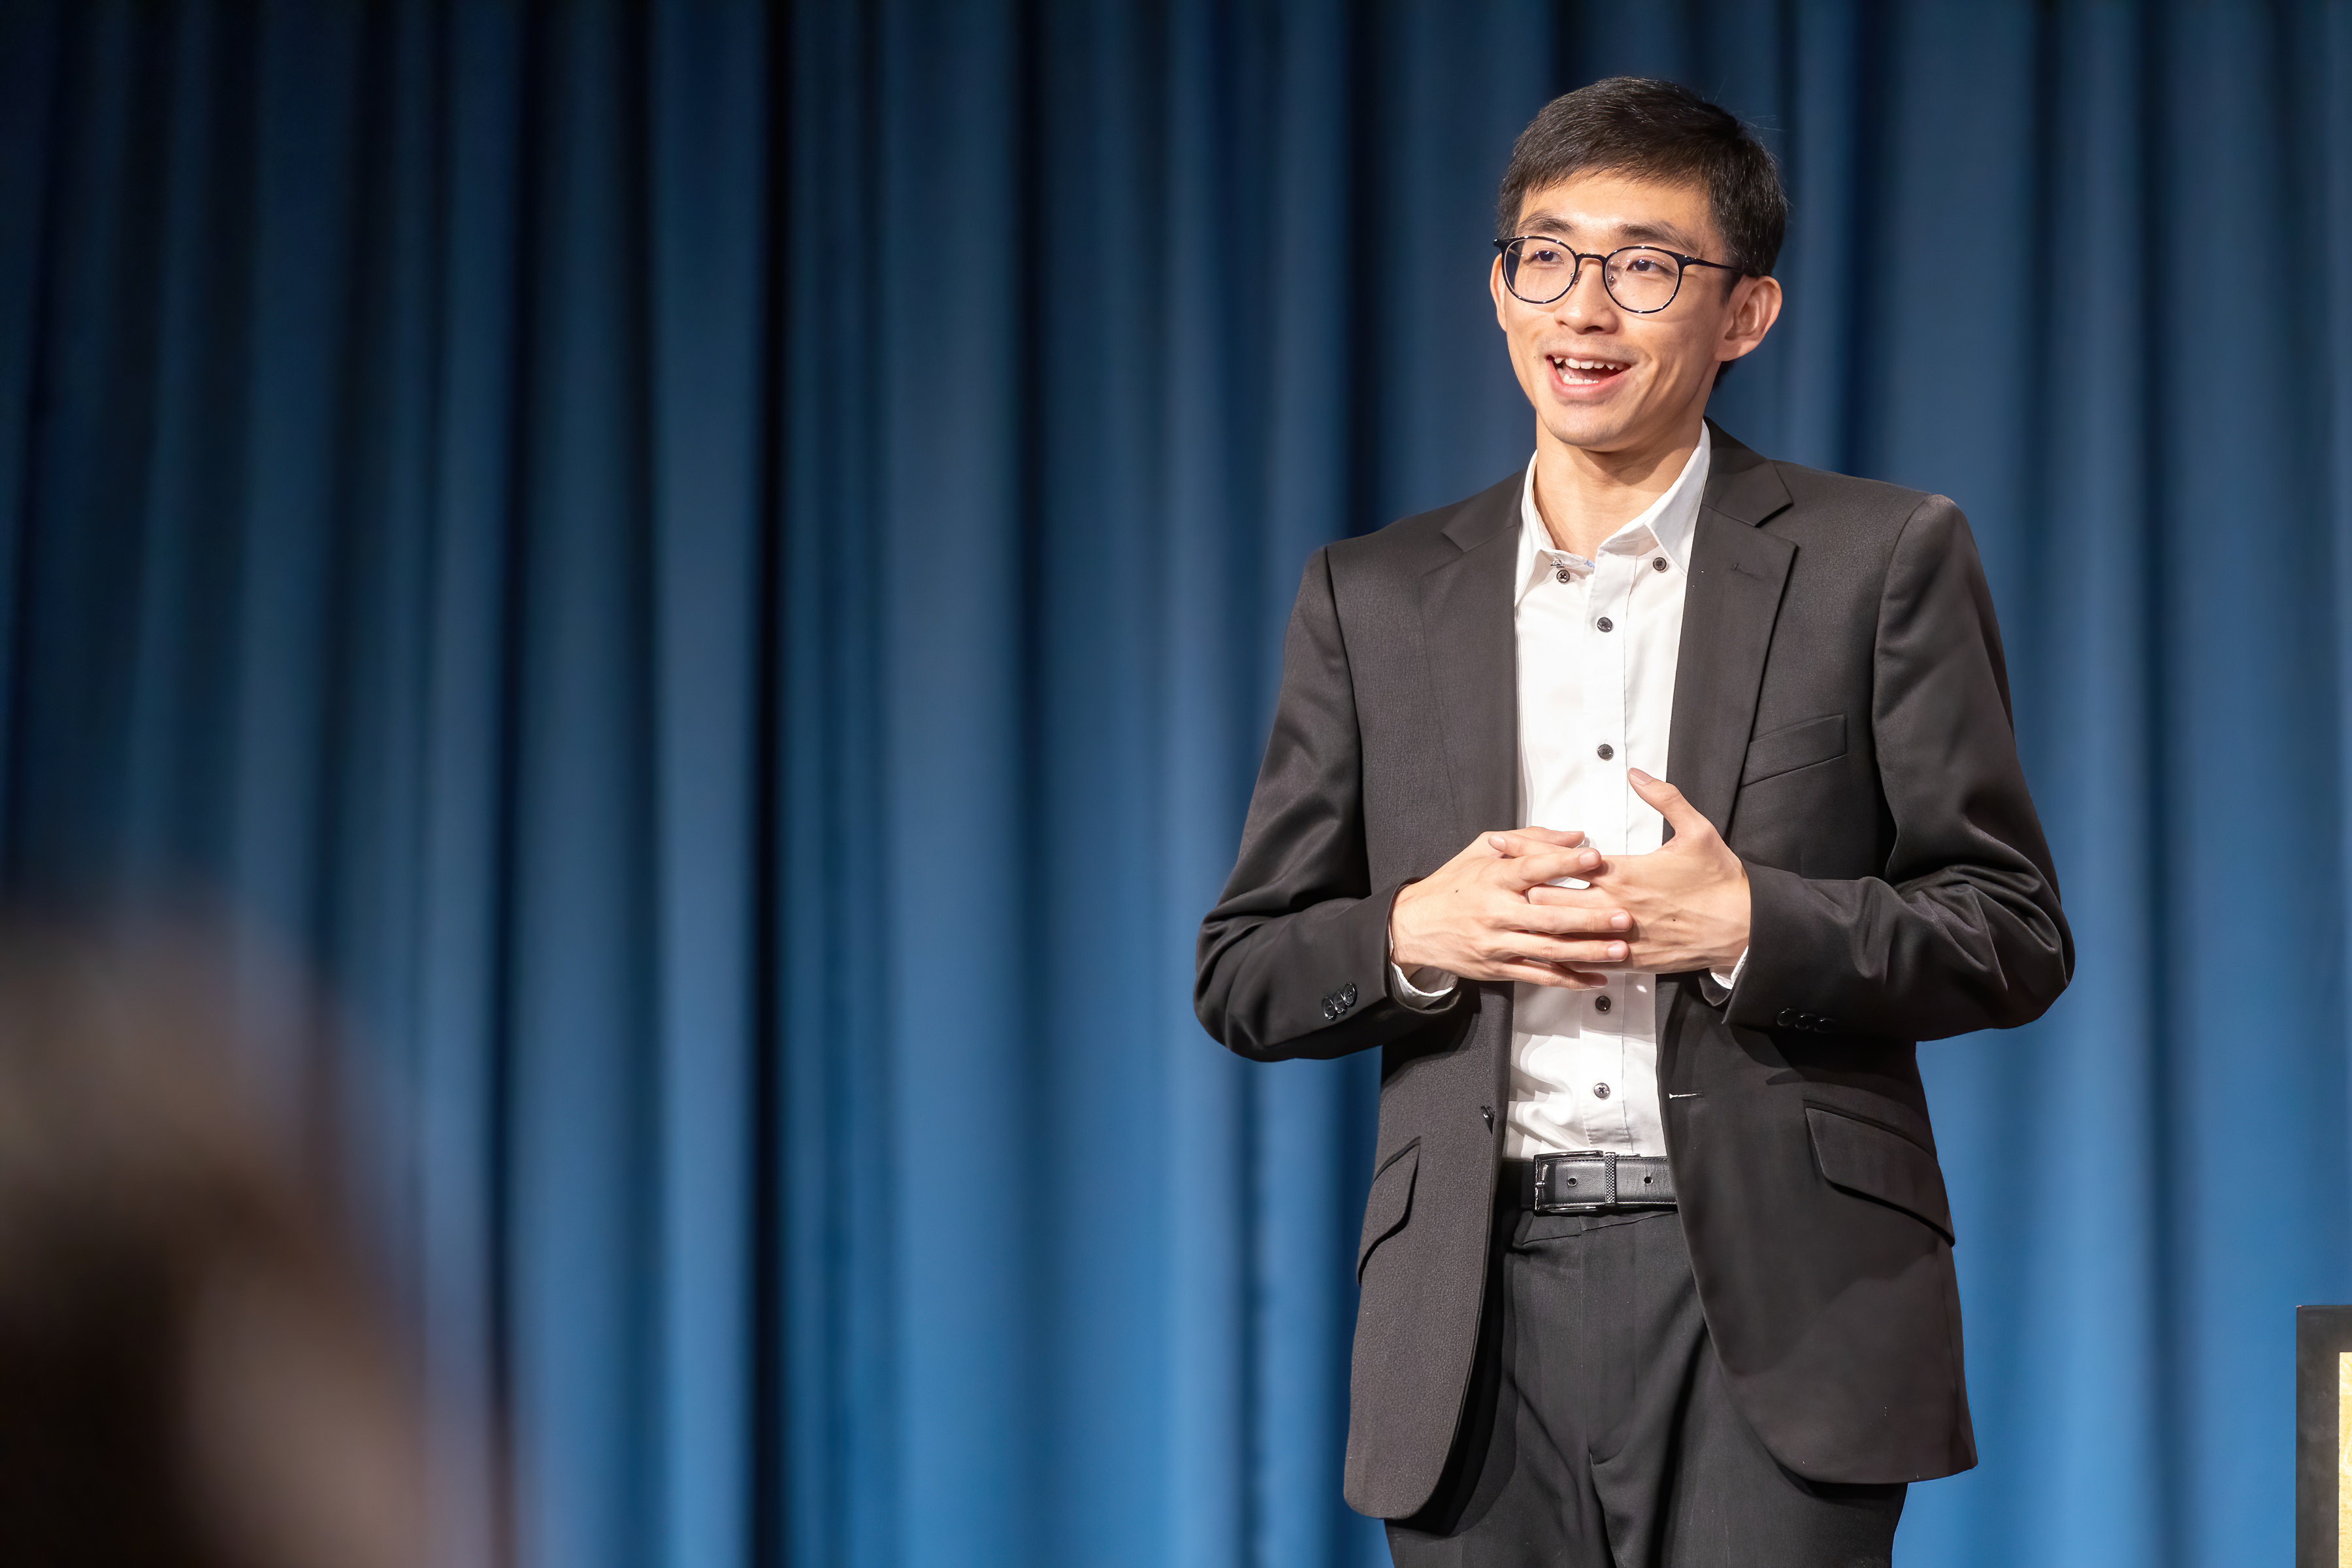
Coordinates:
column 1587, row 300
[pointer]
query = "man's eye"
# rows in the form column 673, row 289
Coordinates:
column 1644, row 264
column 1543, row 256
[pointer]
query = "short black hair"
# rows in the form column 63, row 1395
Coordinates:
column 1658, row 131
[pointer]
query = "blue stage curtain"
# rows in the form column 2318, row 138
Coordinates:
column 718, row 569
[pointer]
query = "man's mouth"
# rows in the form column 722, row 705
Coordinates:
column 1574, row 370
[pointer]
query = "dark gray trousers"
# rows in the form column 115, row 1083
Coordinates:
column 1599, row 1432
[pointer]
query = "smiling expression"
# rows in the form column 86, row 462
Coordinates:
column 1605, row 379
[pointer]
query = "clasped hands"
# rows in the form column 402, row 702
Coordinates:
column 1490, row 913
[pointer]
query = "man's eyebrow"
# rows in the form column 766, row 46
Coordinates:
column 1665, row 234
column 1658, row 234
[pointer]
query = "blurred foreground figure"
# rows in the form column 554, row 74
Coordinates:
column 192, row 1370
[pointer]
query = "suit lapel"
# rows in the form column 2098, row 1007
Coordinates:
column 1737, row 575
column 1467, row 631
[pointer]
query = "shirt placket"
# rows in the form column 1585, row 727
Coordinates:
column 1607, row 633
column 1563, row 600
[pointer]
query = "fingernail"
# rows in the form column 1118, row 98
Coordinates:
column 1638, row 773
column 1616, row 950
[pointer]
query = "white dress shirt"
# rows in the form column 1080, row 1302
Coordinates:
column 1598, row 642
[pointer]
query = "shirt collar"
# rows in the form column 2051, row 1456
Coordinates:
column 1669, row 521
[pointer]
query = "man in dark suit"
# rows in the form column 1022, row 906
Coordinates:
column 1656, row 1261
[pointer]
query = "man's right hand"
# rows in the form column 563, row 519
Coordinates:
column 1471, row 917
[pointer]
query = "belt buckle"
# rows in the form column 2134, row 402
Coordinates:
column 1549, row 1165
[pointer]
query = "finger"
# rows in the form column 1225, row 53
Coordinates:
column 1544, row 864
column 1513, row 843
column 1504, row 840
column 1550, row 895
column 1583, row 918
column 1580, row 952
column 1553, row 975
column 1668, row 802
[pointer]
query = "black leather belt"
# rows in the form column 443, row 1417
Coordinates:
column 1590, row 1180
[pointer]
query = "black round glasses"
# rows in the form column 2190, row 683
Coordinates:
column 1643, row 279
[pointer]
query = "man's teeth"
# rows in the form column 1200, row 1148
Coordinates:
column 1597, row 367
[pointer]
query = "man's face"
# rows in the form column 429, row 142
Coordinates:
column 1607, row 379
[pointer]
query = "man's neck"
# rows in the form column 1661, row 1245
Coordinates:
column 1584, row 496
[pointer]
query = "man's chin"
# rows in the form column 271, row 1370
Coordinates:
column 1593, row 430
column 1620, row 428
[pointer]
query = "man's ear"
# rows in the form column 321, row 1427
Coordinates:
column 1494, row 286
column 1755, row 306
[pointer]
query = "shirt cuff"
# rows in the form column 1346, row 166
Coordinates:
column 1718, row 985
column 1425, row 996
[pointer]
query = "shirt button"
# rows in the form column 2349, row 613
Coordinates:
column 1657, row 564
column 1605, row 623
column 1601, row 1004
column 1561, row 573
column 1605, row 751
column 1599, row 1091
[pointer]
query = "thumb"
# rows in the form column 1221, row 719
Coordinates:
column 1668, row 802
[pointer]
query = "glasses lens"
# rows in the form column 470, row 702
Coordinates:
column 1537, row 271
column 1640, row 279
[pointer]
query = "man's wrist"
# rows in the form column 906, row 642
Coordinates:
column 1427, row 986
column 1404, row 893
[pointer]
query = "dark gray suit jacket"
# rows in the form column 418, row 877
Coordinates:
column 1841, row 716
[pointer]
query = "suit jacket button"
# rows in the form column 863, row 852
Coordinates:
column 1788, row 1018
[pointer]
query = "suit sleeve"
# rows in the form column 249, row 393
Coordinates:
column 1963, row 930
column 1292, row 961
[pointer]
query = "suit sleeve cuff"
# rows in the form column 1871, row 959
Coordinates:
column 1789, row 953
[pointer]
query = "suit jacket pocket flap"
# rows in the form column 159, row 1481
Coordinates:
column 1878, row 1162
column 1794, row 746
column 1389, row 1204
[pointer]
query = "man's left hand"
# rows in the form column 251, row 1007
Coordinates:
column 1688, row 900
